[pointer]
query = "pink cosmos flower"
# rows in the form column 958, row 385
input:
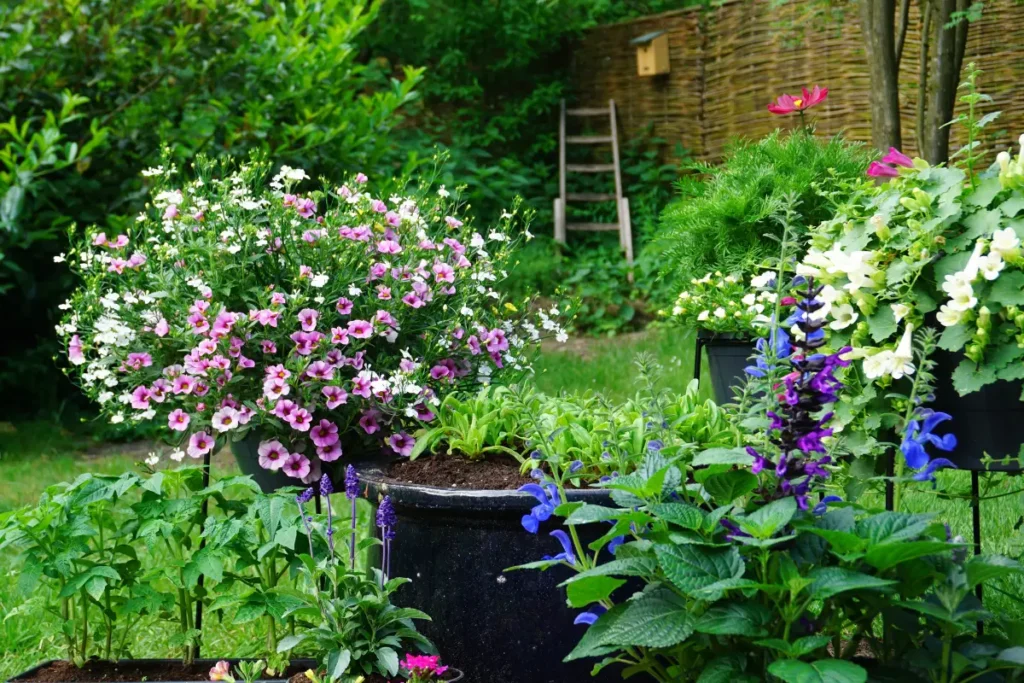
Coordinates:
column 369, row 422
column 161, row 328
column 360, row 329
column 178, row 420
column 389, row 247
column 336, row 396
column 378, row 206
column 402, row 443
column 329, row 453
column 199, row 445
column 787, row 104
column 300, row 419
column 443, row 272
column 344, row 306
column 453, row 222
column 297, row 465
column 140, row 398
column 75, row 350
column 272, row 455
column 308, row 318
column 879, row 170
column 324, row 434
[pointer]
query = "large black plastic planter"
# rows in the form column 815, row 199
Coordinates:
column 987, row 421
column 727, row 356
column 297, row 666
column 496, row 626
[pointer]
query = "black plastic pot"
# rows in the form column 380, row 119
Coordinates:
column 987, row 421
column 296, row 666
column 727, row 357
column 247, row 456
column 455, row 545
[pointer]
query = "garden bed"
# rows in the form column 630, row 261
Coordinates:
column 131, row 670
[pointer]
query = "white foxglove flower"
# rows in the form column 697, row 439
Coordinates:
column 844, row 315
column 948, row 316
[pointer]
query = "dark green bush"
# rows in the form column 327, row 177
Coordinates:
column 721, row 217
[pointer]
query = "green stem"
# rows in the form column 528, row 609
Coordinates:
column 110, row 624
column 85, row 625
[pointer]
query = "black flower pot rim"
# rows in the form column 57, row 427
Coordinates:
column 301, row 663
column 374, row 485
column 708, row 337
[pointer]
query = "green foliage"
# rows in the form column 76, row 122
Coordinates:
column 722, row 215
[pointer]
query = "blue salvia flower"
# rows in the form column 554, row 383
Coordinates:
column 919, row 433
column 567, row 555
column 575, row 466
column 655, row 445
column 547, row 501
column 592, row 614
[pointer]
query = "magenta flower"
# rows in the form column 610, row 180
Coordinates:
column 339, row 335
column 887, row 167
column 183, row 384
column 158, row 390
column 284, row 408
column 378, row 206
column 272, row 455
column 423, row 666
column 305, row 207
column 178, row 420
column 393, row 219
column 199, row 444
column 402, row 443
column 137, row 361
column 308, row 318
column 297, row 466
column 389, row 247
column 423, row 412
column 383, row 293
column 344, row 306
column 335, row 396
column 320, row 370
column 329, row 453
column 324, row 434
column 289, row 200
column 898, row 158
column 360, row 329
column 411, row 299
column 879, row 170
column 369, row 422
column 268, row 346
column 75, row 350
column 300, row 419
column 788, row 104
column 443, row 272
column 140, row 398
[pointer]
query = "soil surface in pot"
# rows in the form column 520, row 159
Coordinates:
column 64, row 672
column 496, row 473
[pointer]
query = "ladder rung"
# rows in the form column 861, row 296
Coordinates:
column 589, row 168
column 589, row 196
column 588, row 111
column 592, row 227
column 587, row 139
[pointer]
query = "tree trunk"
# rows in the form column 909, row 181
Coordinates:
column 950, row 42
column 877, row 17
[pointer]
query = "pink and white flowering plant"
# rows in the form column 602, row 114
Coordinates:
column 308, row 315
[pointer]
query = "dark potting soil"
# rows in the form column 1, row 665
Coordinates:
column 494, row 473
column 98, row 672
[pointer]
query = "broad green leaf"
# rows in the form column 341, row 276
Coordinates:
column 659, row 618
column 892, row 526
column 882, row 324
column 155, row 483
column 252, row 609
column 337, row 663
column 723, row 456
column 680, row 514
column 728, row 486
column 983, row 568
column 953, row 338
column 821, row 671
column 830, row 581
column 592, row 642
column 888, row 555
column 387, row 659
column 984, row 192
column 588, row 514
column 969, row 377
column 289, row 642
column 734, row 619
column 764, row 522
column 627, row 566
column 692, row 567
column 591, row 589
column 728, row 669
column 1008, row 290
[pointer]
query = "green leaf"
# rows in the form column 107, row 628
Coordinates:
column 969, row 377
column 659, row 618
column 882, row 324
column 764, row 522
column 629, row 566
column 982, row 568
column 984, row 192
column 1011, row 655
column 723, row 456
column 734, row 619
column 955, row 337
column 588, row 514
column 892, row 526
column 592, row 643
column 252, row 609
column 387, row 660
column 591, row 589
column 155, row 483
column 680, row 514
column 692, row 567
column 289, row 642
column 1012, row 206
column 728, row 486
column 888, row 555
column 337, row 663
column 821, row 671
column 727, row 669
column 829, row 581
column 1008, row 290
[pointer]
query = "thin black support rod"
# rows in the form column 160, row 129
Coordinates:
column 202, row 544
column 696, row 358
column 976, row 528
column 890, row 486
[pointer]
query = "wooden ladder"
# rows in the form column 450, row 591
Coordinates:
column 621, row 203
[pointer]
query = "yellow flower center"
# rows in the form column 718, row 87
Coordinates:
column 798, row 102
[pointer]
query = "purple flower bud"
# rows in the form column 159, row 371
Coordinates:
column 386, row 518
column 351, row 482
column 326, row 488
column 305, row 496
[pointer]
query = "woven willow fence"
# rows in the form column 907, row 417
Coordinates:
column 729, row 62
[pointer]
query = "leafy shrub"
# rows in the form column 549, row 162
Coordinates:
column 720, row 221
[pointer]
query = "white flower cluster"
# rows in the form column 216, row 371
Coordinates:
column 960, row 286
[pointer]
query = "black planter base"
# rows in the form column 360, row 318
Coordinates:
column 296, row 666
column 727, row 357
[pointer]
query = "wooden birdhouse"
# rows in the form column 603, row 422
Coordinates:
column 651, row 53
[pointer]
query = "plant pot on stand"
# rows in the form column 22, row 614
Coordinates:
column 728, row 355
column 455, row 545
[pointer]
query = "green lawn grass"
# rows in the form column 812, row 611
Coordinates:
column 35, row 455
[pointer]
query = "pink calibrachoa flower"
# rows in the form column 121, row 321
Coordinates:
column 361, row 178
column 324, row 434
column 158, row 390
column 308, row 318
column 344, row 306
column 389, row 247
column 300, row 419
column 221, row 672
column 443, row 272
column 383, row 293
column 201, row 389
column 268, row 346
column 360, row 329
column 411, row 299
column 320, row 370
column 336, row 396
column 289, row 200
column 329, row 453
column 402, row 443
column 137, row 361
column 369, row 421
column 199, row 444
column 225, row 419
column 171, row 212
column 297, row 465
column 277, row 299
column 75, row 352
column 788, row 104
column 284, row 408
column 339, row 335
column 393, row 219
column 161, row 328
column 453, row 222
column 423, row 413
column 378, row 206
column 272, row 455
column 183, row 384
column 361, row 384
column 305, row 207
column 140, row 398
column 178, row 420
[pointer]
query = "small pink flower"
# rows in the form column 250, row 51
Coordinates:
column 378, row 206
column 221, row 672
column 439, row 372
column 443, row 272
column 297, row 465
column 453, row 222
column 383, row 293
column 335, row 396
column 183, row 384
column 393, row 219
column 289, row 200
column 300, row 419
column 454, row 245
column 344, row 306
column 360, row 178
column 360, row 329
column 308, row 318
column 277, row 299
column 877, row 169
column 402, row 443
column 788, row 104
column 897, row 158
column 268, row 346
column 272, row 455
column 199, row 445
column 474, row 345
column 389, row 247
column 324, row 434
column 284, row 408
column 412, row 300
column 140, row 398
column 305, row 207
column 320, row 370
column 369, row 422
column 361, row 385
column 225, row 419
column 339, row 335
column 329, row 453
column 171, row 212
column 178, row 420
column 158, row 390
column 137, row 361
column 162, row 328
column 75, row 350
